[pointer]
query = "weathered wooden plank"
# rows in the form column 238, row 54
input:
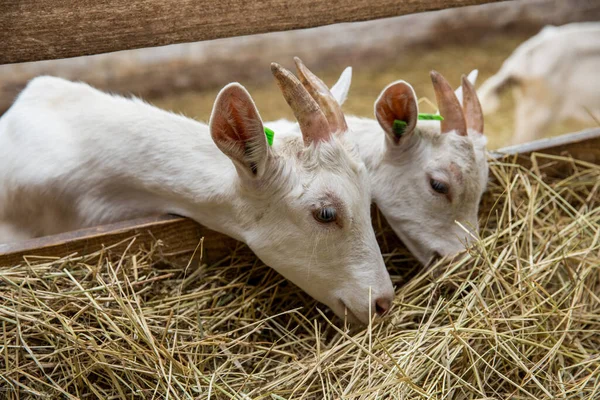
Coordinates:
column 584, row 145
column 49, row 29
column 180, row 236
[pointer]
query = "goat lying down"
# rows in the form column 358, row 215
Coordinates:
column 73, row 157
column 425, row 179
column 554, row 76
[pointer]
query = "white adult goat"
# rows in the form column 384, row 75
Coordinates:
column 426, row 179
column 73, row 157
column 554, row 76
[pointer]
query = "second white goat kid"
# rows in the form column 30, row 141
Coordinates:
column 426, row 179
column 74, row 157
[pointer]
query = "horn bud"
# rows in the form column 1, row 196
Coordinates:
column 319, row 91
column 449, row 105
column 312, row 121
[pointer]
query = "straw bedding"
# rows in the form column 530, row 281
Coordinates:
column 518, row 317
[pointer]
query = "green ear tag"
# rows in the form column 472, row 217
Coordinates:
column 269, row 134
column 430, row 117
column 399, row 127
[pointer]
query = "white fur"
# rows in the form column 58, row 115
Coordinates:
column 73, row 157
column 399, row 177
column 554, row 75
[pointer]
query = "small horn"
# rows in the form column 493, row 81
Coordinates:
column 312, row 121
column 323, row 96
column 448, row 104
column 471, row 106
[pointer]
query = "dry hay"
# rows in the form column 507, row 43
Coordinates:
column 518, row 317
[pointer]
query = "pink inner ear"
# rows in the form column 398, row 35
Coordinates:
column 237, row 116
column 397, row 102
column 236, row 127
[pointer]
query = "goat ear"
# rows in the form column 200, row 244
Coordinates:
column 342, row 86
column 397, row 102
column 237, row 130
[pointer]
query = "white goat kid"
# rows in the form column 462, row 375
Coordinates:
column 430, row 177
column 554, row 76
column 73, row 157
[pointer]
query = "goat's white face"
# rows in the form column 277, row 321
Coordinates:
column 308, row 213
column 431, row 177
column 319, row 230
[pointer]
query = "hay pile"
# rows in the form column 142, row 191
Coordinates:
column 518, row 317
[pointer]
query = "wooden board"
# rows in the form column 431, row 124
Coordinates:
column 584, row 145
column 181, row 236
column 34, row 30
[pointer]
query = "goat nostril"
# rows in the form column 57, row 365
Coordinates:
column 382, row 305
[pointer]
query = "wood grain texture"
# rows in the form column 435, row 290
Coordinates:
column 180, row 236
column 34, row 30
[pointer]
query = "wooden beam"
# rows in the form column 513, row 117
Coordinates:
column 180, row 237
column 584, row 145
column 48, row 29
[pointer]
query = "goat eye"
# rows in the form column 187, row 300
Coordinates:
column 439, row 187
column 325, row 214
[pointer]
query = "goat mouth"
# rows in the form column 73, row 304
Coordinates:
column 435, row 257
column 349, row 316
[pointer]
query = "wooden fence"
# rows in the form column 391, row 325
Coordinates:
column 47, row 29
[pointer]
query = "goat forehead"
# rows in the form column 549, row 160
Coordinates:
column 450, row 154
column 336, row 154
column 334, row 163
column 460, row 148
column 350, row 190
column 461, row 158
